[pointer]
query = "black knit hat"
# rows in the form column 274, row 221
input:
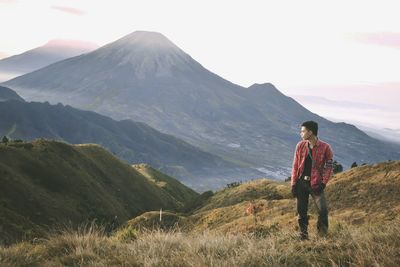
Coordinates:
column 311, row 126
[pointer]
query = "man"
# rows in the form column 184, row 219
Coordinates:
column 311, row 171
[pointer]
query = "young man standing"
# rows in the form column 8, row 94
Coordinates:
column 311, row 171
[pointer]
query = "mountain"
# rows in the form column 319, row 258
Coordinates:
column 8, row 94
column 135, row 142
column 52, row 51
column 45, row 183
column 145, row 77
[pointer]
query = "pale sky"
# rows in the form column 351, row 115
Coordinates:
column 340, row 50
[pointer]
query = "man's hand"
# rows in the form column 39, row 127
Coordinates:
column 294, row 192
column 320, row 188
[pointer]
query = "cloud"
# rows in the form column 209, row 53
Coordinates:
column 318, row 100
column 390, row 39
column 69, row 10
column 3, row 55
column 8, row 2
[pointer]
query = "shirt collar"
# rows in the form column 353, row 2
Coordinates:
column 316, row 143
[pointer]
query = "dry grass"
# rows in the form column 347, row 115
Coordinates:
column 346, row 245
column 364, row 230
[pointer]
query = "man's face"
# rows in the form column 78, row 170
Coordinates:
column 305, row 133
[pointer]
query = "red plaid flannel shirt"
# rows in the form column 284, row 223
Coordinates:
column 323, row 168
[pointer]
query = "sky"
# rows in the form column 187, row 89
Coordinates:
column 346, row 53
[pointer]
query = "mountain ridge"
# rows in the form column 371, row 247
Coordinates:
column 134, row 142
column 251, row 126
column 39, row 57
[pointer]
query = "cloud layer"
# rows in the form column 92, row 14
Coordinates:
column 70, row 10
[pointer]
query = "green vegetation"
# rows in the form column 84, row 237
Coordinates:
column 47, row 183
column 4, row 140
column 176, row 189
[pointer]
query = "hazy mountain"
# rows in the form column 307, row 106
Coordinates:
column 52, row 51
column 390, row 135
column 376, row 120
column 375, row 131
column 47, row 182
column 135, row 142
column 8, row 94
column 145, row 77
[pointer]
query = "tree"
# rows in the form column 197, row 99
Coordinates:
column 337, row 167
column 5, row 140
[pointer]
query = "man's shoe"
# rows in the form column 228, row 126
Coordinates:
column 303, row 236
column 322, row 230
column 322, row 233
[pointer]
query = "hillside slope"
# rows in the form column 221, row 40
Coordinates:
column 46, row 183
column 169, row 184
column 367, row 194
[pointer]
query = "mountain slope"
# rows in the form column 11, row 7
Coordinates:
column 135, row 142
column 44, row 183
column 145, row 77
column 52, row 51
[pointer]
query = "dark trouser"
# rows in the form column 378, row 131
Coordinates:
column 303, row 189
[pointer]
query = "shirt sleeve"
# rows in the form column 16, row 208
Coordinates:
column 328, row 167
column 295, row 166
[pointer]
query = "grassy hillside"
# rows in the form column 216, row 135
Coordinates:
column 176, row 189
column 46, row 183
column 369, row 193
column 261, row 188
column 366, row 194
column 364, row 230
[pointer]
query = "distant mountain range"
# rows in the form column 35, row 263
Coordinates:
column 135, row 142
column 45, row 184
column 145, row 77
column 52, row 51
